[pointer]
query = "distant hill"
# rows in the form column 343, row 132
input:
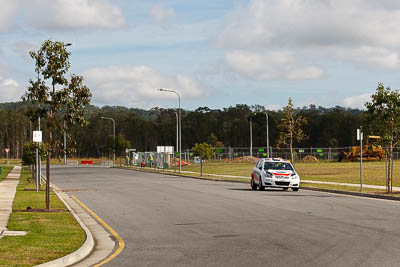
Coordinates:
column 12, row 105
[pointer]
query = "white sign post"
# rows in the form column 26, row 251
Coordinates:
column 37, row 138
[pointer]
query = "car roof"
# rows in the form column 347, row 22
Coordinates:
column 275, row 160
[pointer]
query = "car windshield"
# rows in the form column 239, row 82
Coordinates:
column 278, row 166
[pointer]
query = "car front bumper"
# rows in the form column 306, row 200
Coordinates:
column 281, row 183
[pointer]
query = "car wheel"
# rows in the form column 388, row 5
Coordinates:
column 285, row 189
column 295, row 189
column 260, row 186
column 253, row 184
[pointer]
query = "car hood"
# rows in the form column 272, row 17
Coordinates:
column 281, row 172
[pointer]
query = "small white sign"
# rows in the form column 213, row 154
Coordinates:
column 165, row 149
column 37, row 136
column 359, row 135
column 7, row 150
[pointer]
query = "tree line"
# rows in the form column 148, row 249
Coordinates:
column 145, row 129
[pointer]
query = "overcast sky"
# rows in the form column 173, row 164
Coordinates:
column 215, row 53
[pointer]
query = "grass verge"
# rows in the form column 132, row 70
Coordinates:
column 340, row 172
column 5, row 171
column 51, row 235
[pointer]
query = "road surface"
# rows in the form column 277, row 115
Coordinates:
column 173, row 221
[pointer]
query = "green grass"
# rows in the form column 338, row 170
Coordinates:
column 344, row 172
column 3, row 161
column 5, row 171
column 344, row 188
column 50, row 235
column 341, row 172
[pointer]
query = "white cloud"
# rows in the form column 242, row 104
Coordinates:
column 357, row 101
column 372, row 56
column 309, row 73
column 269, row 65
column 137, row 86
column 7, row 12
column 74, row 14
column 360, row 31
column 275, row 107
column 9, row 90
column 160, row 14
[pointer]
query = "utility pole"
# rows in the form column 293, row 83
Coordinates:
column 269, row 155
column 360, row 137
column 251, row 138
column 180, row 124
column 65, row 146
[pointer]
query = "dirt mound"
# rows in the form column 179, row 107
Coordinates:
column 245, row 159
column 310, row 159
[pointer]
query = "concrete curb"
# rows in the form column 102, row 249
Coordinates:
column 83, row 251
column 349, row 193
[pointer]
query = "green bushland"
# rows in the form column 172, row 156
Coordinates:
column 51, row 235
column 6, row 170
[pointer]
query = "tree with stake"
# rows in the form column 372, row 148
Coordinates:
column 52, row 93
column 291, row 128
column 384, row 110
column 204, row 151
column 121, row 144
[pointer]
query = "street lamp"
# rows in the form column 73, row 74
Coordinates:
column 180, row 124
column 65, row 136
column 177, row 135
column 65, row 145
column 268, row 150
column 106, row 118
column 251, row 137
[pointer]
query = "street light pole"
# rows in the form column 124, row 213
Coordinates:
column 251, row 138
column 65, row 146
column 269, row 154
column 65, row 137
column 177, row 135
column 180, row 125
column 106, row 118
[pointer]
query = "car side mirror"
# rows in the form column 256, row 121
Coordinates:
column 260, row 168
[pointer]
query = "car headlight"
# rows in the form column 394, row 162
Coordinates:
column 294, row 176
column 269, row 174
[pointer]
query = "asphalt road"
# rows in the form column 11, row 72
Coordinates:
column 172, row 221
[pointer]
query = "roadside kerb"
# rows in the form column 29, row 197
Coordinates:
column 360, row 194
column 98, row 244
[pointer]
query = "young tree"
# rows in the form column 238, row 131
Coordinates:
column 29, row 155
column 204, row 151
column 291, row 128
column 52, row 93
column 385, row 111
column 121, row 144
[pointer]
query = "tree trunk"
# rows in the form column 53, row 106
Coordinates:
column 389, row 169
column 48, row 181
column 201, row 167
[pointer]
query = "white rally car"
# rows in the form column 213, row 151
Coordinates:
column 275, row 173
